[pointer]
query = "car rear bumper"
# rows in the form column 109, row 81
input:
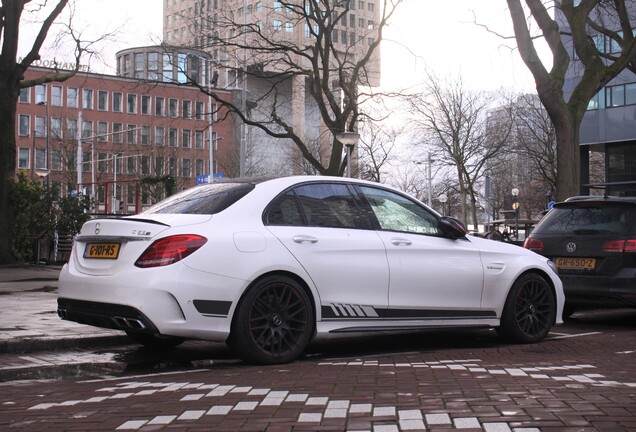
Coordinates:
column 601, row 291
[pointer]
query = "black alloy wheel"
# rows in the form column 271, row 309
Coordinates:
column 530, row 310
column 273, row 323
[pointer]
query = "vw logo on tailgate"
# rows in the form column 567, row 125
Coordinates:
column 570, row 247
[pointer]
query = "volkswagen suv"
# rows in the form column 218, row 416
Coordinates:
column 592, row 242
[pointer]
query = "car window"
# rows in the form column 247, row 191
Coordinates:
column 205, row 199
column 285, row 210
column 328, row 205
column 589, row 220
column 395, row 212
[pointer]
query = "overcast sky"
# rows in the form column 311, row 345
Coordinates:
column 436, row 35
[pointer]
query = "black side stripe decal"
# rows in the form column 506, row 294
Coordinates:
column 339, row 311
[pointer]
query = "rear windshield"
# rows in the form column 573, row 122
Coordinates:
column 206, row 199
column 590, row 219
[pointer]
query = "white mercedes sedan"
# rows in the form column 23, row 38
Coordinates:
column 268, row 266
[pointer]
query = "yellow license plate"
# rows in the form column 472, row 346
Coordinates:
column 102, row 250
column 576, row 263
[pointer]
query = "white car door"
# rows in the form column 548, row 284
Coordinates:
column 320, row 224
column 431, row 276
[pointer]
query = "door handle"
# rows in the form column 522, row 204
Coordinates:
column 304, row 239
column 401, row 242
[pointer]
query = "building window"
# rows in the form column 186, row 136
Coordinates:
column 199, row 110
column 71, row 163
column 172, row 166
column 172, row 137
column 186, row 171
column 87, row 99
column 145, row 165
column 56, row 128
column 185, row 138
column 145, row 135
column 71, row 97
column 615, row 96
column 40, row 126
column 159, row 165
column 24, row 125
column 25, row 94
column 289, row 27
column 132, row 104
column 198, row 167
column 71, row 128
column 131, row 165
column 40, row 93
column 102, row 100
column 630, row 94
column 145, row 104
column 102, row 163
column 87, row 129
column 131, row 135
column 117, row 102
column 159, row 136
column 86, row 162
column 174, row 108
column 198, row 139
column 186, row 107
column 56, row 96
column 102, row 131
column 160, row 108
column 40, row 159
column 56, row 160
column 278, row 24
column 167, row 73
column 139, row 65
column 117, row 133
column 153, row 66
column 23, row 158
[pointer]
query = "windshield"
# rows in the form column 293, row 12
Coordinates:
column 590, row 219
column 206, row 199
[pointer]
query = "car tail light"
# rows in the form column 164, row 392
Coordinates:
column 169, row 250
column 628, row 246
column 533, row 244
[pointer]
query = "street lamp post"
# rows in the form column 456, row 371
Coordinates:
column 429, row 178
column 442, row 199
column 349, row 139
column 515, row 207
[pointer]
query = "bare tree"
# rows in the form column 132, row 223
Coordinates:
column 376, row 149
column 293, row 50
column 572, row 33
column 453, row 120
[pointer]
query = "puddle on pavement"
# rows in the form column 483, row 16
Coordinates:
column 115, row 361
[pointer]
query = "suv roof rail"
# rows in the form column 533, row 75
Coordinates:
column 599, row 198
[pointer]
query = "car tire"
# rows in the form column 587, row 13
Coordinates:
column 530, row 310
column 155, row 342
column 273, row 322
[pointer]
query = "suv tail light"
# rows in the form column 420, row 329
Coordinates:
column 169, row 250
column 533, row 244
column 627, row 246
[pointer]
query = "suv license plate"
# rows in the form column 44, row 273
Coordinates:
column 576, row 263
column 102, row 250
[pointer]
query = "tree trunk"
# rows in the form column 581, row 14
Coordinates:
column 7, row 164
column 568, row 154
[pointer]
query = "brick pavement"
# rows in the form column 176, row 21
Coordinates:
column 572, row 382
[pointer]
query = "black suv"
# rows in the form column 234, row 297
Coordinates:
column 592, row 242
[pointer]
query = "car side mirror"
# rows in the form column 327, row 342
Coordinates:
column 452, row 228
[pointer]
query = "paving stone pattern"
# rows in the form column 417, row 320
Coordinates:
column 518, row 388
